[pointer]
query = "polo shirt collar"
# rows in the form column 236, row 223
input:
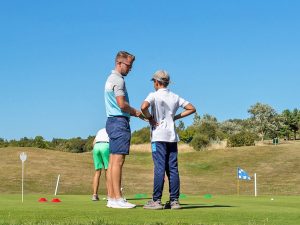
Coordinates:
column 163, row 89
column 117, row 73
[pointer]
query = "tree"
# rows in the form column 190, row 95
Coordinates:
column 39, row 142
column 230, row 127
column 180, row 126
column 76, row 145
column 25, row 142
column 89, row 144
column 291, row 120
column 263, row 118
column 196, row 120
column 3, row 143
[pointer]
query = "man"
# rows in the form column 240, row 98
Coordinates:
column 101, row 159
column 164, row 138
column 118, row 112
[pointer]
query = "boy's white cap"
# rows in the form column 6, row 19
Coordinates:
column 162, row 76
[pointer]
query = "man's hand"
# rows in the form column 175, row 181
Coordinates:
column 140, row 115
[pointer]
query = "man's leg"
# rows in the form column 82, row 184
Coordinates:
column 119, row 133
column 116, row 162
column 109, row 184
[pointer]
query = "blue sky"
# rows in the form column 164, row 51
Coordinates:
column 223, row 56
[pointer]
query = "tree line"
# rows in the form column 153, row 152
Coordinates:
column 76, row 145
column 264, row 123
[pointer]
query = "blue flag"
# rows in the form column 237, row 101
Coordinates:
column 242, row 174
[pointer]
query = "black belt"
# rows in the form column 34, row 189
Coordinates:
column 102, row 142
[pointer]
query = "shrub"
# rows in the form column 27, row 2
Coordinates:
column 186, row 135
column 243, row 138
column 141, row 136
column 3, row 143
column 75, row 145
column 200, row 141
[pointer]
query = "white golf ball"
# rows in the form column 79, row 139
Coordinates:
column 272, row 199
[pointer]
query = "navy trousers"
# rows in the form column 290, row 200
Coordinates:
column 164, row 156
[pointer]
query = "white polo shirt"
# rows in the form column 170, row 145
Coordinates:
column 102, row 136
column 164, row 105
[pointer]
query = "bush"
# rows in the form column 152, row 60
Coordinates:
column 209, row 129
column 243, row 138
column 3, row 143
column 141, row 136
column 186, row 136
column 88, row 146
column 75, row 145
column 200, row 141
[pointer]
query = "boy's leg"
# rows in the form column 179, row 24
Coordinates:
column 174, row 180
column 159, row 157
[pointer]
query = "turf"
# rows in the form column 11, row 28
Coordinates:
column 203, row 174
column 214, row 172
column 221, row 210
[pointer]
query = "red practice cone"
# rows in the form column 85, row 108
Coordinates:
column 42, row 200
column 56, row 200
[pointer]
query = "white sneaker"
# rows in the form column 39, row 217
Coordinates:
column 111, row 202
column 122, row 204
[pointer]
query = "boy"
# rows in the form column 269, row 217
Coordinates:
column 164, row 138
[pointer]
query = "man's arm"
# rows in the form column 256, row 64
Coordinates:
column 125, row 107
column 189, row 109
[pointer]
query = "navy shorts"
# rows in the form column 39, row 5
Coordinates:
column 119, row 133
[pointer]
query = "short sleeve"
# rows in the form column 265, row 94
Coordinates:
column 182, row 102
column 119, row 87
column 150, row 98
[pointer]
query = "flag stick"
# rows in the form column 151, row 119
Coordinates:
column 22, row 181
column 23, row 158
column 57, row 184
column 255, row 187
column 238, row 186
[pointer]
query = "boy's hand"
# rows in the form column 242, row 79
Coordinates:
column 152, row 122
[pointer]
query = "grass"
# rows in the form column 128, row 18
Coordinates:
column 218, row 210
column 202, row 174
column 214, row 171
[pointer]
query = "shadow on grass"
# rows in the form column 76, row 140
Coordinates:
column 193, row 206
column 138, row 199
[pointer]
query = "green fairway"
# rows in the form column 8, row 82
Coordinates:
column 79, row 209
